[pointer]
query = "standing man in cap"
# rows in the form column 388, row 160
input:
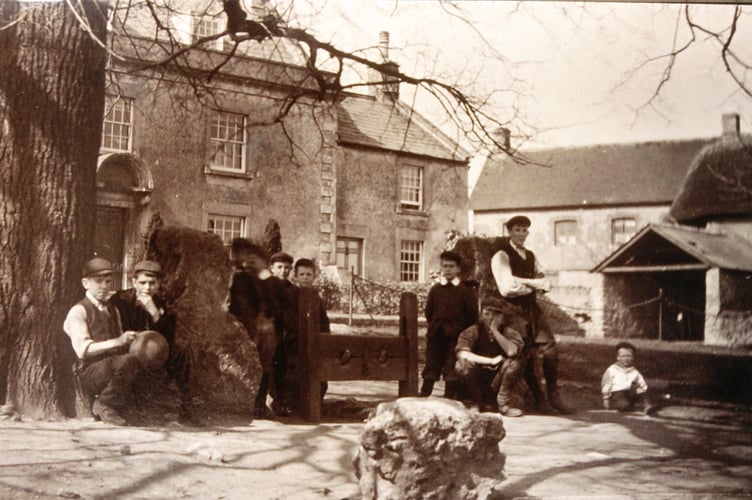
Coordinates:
column 105, row 368
column 141, row 308
column 519, row 278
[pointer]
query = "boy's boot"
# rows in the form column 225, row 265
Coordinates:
column 531, row 378
column 116, row 392
column 452, row 389
column 260, row 409
column 510, row 373
column 427, row 388
column 551, row 374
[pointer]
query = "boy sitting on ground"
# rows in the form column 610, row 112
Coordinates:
column 622, row 386
column 489, row 360
column 105, row 368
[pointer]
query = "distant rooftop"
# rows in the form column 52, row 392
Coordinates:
column 367, row 122
column 600, row 175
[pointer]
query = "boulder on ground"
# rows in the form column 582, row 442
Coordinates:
column 224, row 365
column 430, row 448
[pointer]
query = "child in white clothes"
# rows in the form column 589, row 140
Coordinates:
column 622, row 385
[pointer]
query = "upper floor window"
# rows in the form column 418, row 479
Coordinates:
column 204, row 26
column 227, row 142
column 565, row 233
column 411, row 260
column 411, row 187
column 622, row 229
column 350, row 254
column 227, row 227
column 116, row 129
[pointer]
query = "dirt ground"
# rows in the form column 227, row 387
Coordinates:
column 692, row 450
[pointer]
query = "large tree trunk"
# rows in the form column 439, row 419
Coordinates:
column 51, row 105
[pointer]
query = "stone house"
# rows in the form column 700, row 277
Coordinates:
column 354, row 181
column 700, row 266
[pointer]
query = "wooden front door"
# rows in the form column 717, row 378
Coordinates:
column 109, row 239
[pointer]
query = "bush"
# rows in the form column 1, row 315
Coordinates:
column 369, row 297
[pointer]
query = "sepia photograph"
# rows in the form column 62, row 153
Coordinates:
column 375, row 249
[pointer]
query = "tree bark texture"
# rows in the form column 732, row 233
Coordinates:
column 51, row 108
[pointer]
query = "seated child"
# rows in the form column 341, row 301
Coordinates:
column 622, row 385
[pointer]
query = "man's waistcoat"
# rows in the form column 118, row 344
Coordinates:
column 521, row 268
column 102, row 326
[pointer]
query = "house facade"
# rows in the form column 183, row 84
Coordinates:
column 222, row 157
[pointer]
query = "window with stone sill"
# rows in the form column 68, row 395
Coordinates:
column 411, row 188
column 227, row 227
column 204, row 26
column 117, row 125
column 411, row 260
column 227, row 143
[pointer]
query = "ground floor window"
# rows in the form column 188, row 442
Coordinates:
column 227, row 227
column 411, row 260
column 350, row 255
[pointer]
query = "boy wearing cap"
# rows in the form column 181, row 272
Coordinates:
column 105, row 368
column 141, row 308
column 451, row 307
column 489, row 359
column 280, row 265
column 519, row 278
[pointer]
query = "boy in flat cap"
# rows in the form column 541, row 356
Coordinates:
column 280, row 265
column 519, row 278
column 142, row 308
column 489, row 357
column 105, row 368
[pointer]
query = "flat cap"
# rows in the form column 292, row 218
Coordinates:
column 147, row 266
column 97, row 267
column 517, row 220
column 492, row 304
column 281, row 257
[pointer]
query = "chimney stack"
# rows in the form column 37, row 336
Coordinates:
column 384, row 46
column 731, row 129
column 386, row 87
column 502, row 136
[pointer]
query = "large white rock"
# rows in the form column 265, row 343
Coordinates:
column 430, row 448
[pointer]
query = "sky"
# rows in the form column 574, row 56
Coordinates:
column 560, row 73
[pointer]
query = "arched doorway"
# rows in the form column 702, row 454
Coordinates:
column 124, row 187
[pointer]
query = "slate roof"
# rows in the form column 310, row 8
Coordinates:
column 652, row 246
column 718, row 183
column 609, row 174
column 365, row 121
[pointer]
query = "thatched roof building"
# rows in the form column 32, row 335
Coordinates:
column 719, row 181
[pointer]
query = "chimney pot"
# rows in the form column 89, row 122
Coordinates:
column 502, row 136
column 384, row 45
column 730, row 122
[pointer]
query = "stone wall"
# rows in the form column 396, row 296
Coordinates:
column 370, row 210
column 594, row 241
column 728, row 314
